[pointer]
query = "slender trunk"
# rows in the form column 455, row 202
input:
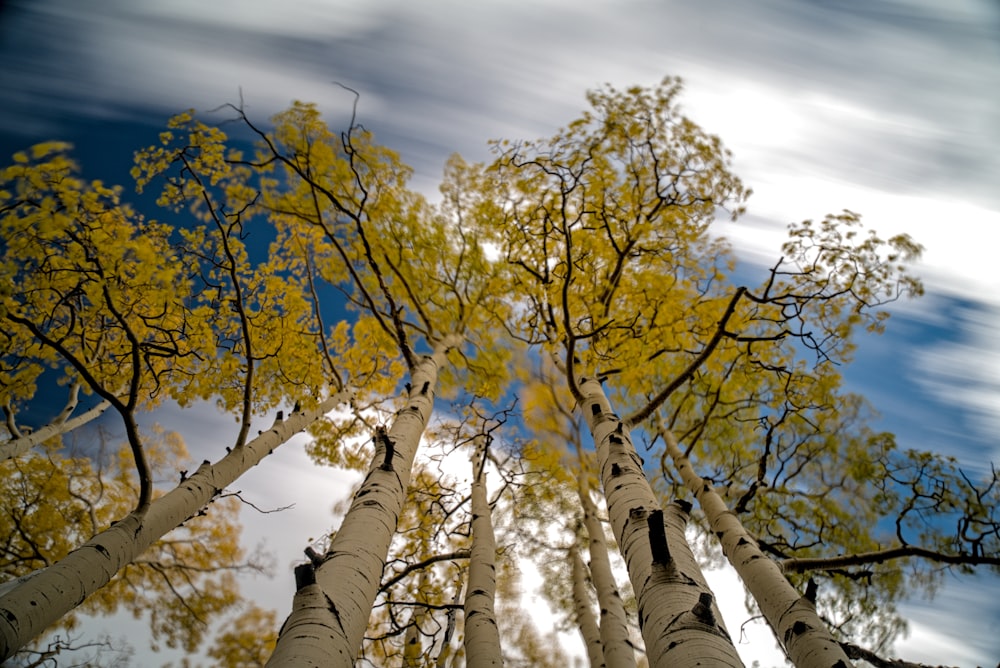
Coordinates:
column 800, row 630
column 618, row 650
column 350, row 572
column 482, row 638
column 660, row 582
column 29, row 608
column 19, row 446
column 449, row 630
column 586, row 621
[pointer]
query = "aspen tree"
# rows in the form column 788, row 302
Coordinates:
column 548, row 413
column 416, row 279
column 66, row 583
column 328, row 623
column 585, row 618
column 424, row 568
column 482, row 637
column 802, row 632
column 617, row 649
column 413, row 647
column 678, row 616
column 180, row 584
column 97, row 292
column 591, row 250
column 113, row 298
column 605, row 231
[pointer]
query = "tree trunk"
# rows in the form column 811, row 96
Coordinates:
column 586, row 621
column 41, row 599
column 350, row 572
column 313, row 639
column 482, row 638
column 660, row 582
column 618, row 650
column 800, row 630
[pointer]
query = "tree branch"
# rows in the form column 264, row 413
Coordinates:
column 805, row 564
column 643, row 413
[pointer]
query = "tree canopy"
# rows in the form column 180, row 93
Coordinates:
column 555, row 306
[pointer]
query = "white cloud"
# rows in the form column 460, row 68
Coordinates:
column 966, row 374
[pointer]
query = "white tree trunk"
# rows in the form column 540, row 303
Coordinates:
column 482, row 637
column 805, row 637
column 29, row 608
column 586, row 621
column 311, row 623
column 658, row 580
column 16, row 447
column 618, row 650
column 350, row 573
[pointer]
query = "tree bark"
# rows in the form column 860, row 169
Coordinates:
column 311, row 623
column 618, row 650
column 586, row 621
column 71, row 403
column 660, row 582
column 805, row 637
column 351, row 570
column 16, row 447
column 29, row 608
column 482, row 637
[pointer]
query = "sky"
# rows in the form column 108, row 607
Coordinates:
column 888, row 108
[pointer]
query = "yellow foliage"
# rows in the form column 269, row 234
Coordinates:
column 248, row 641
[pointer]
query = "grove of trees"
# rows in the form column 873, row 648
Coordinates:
column 557, row 362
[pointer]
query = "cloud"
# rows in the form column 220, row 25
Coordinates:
column 933, row 630
column 965, row 374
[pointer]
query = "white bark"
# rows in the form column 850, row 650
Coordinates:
column 586, row 621
column 805, row 637
column 618, row 650
column 351, row 570
column 310, row 606
column 16, row 447
column 74, row 398
column 32, row 606
column 449, row 630
column 671, row 640
column 482, row 638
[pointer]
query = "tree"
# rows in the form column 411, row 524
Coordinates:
column 482, row 638
column 181, row 584
column 605, row 232
column 108, row 294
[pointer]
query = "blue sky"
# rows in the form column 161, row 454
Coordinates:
column 888, row 108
